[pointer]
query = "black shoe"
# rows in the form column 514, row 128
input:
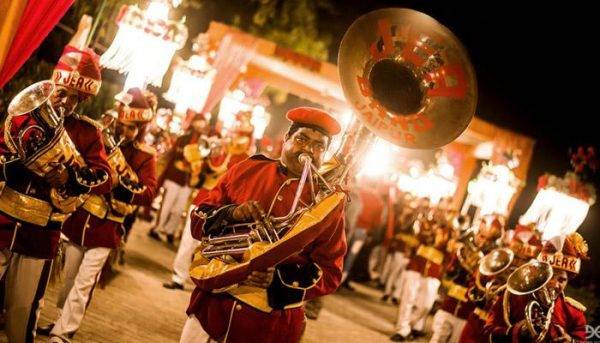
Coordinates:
column 399, row 338
column 45, row 330
column 173, row 285
column 395, row 301
column 418, row 334
column 154, row 235
column 385, row 298
column 170, row 239
column 347, row 286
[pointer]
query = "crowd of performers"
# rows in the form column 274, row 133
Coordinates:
column 432, row 253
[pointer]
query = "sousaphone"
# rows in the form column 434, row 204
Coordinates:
column 409, row 81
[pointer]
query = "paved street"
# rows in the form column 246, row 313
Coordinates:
column 135, row 307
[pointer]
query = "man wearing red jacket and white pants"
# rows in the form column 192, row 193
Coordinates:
column 28, row 247
column 240, row 196
column 94, row 229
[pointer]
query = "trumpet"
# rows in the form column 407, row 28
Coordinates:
column 532, row 278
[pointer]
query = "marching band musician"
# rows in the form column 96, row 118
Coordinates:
column 450, row 320
column 176, row 181
column 94, row 229
column 243, row 194
column 28, row 248
column 421, row 279
column 507, row 320
column 525, row 242
column 222, row 157
column 402, row 247
column 487, row 238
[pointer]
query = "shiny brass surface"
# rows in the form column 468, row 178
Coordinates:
column 408, row 78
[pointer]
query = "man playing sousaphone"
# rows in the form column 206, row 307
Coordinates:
column 30, row 221
column 252, row 190
column 554, row 317
column 95, row 228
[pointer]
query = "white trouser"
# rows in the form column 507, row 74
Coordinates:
column 183, row 259
column 397, row 263
column 193, row 332
column 446, row 327
column 82, row 269
column 175, row 199
column 26, row 281
column 418, row 295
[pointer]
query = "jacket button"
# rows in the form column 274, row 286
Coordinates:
column 238, row 307
column 279, row 198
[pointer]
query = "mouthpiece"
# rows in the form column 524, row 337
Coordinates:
column 304, row 158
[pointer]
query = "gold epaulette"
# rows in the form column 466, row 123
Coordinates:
column 145, row 148
column 575, row 304
column 91, row 121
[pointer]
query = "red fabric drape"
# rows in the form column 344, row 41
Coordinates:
column 235, row 51
column 38, row 19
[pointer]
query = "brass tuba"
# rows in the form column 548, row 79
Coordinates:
column 532, row 278
column 409, row 80
column 42, row 142
column 492, row 265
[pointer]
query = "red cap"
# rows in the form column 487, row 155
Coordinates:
column 79, row 70
column 137, row 106
column 315, row 117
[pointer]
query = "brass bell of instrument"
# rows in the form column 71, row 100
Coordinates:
column 408, row 78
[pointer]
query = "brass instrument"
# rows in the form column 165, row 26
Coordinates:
column 43, row 144
column 409, row 80
column 468, row 254
column 532, row 278
column 120, row 168
column 494, row 264
column 197, row 154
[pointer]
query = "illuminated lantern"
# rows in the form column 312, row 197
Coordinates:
column 491, row 191
column 192, row 79
column 145, row 43
column 260, row 120
column 560, row 206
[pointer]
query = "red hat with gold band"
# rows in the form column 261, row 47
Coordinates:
column 79, row 70
column 565, row 252
column 137, row 107
column 315, row 118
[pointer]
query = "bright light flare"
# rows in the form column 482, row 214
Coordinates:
column 555, row 213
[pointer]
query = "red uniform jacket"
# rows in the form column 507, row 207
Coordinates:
column 36, row 241
column 259, row 179
column 370, row 218
column 89, row 231
column 233, row 160
column 565, row 314
column 176, row 154
column 426, row 265
column 454, row 301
